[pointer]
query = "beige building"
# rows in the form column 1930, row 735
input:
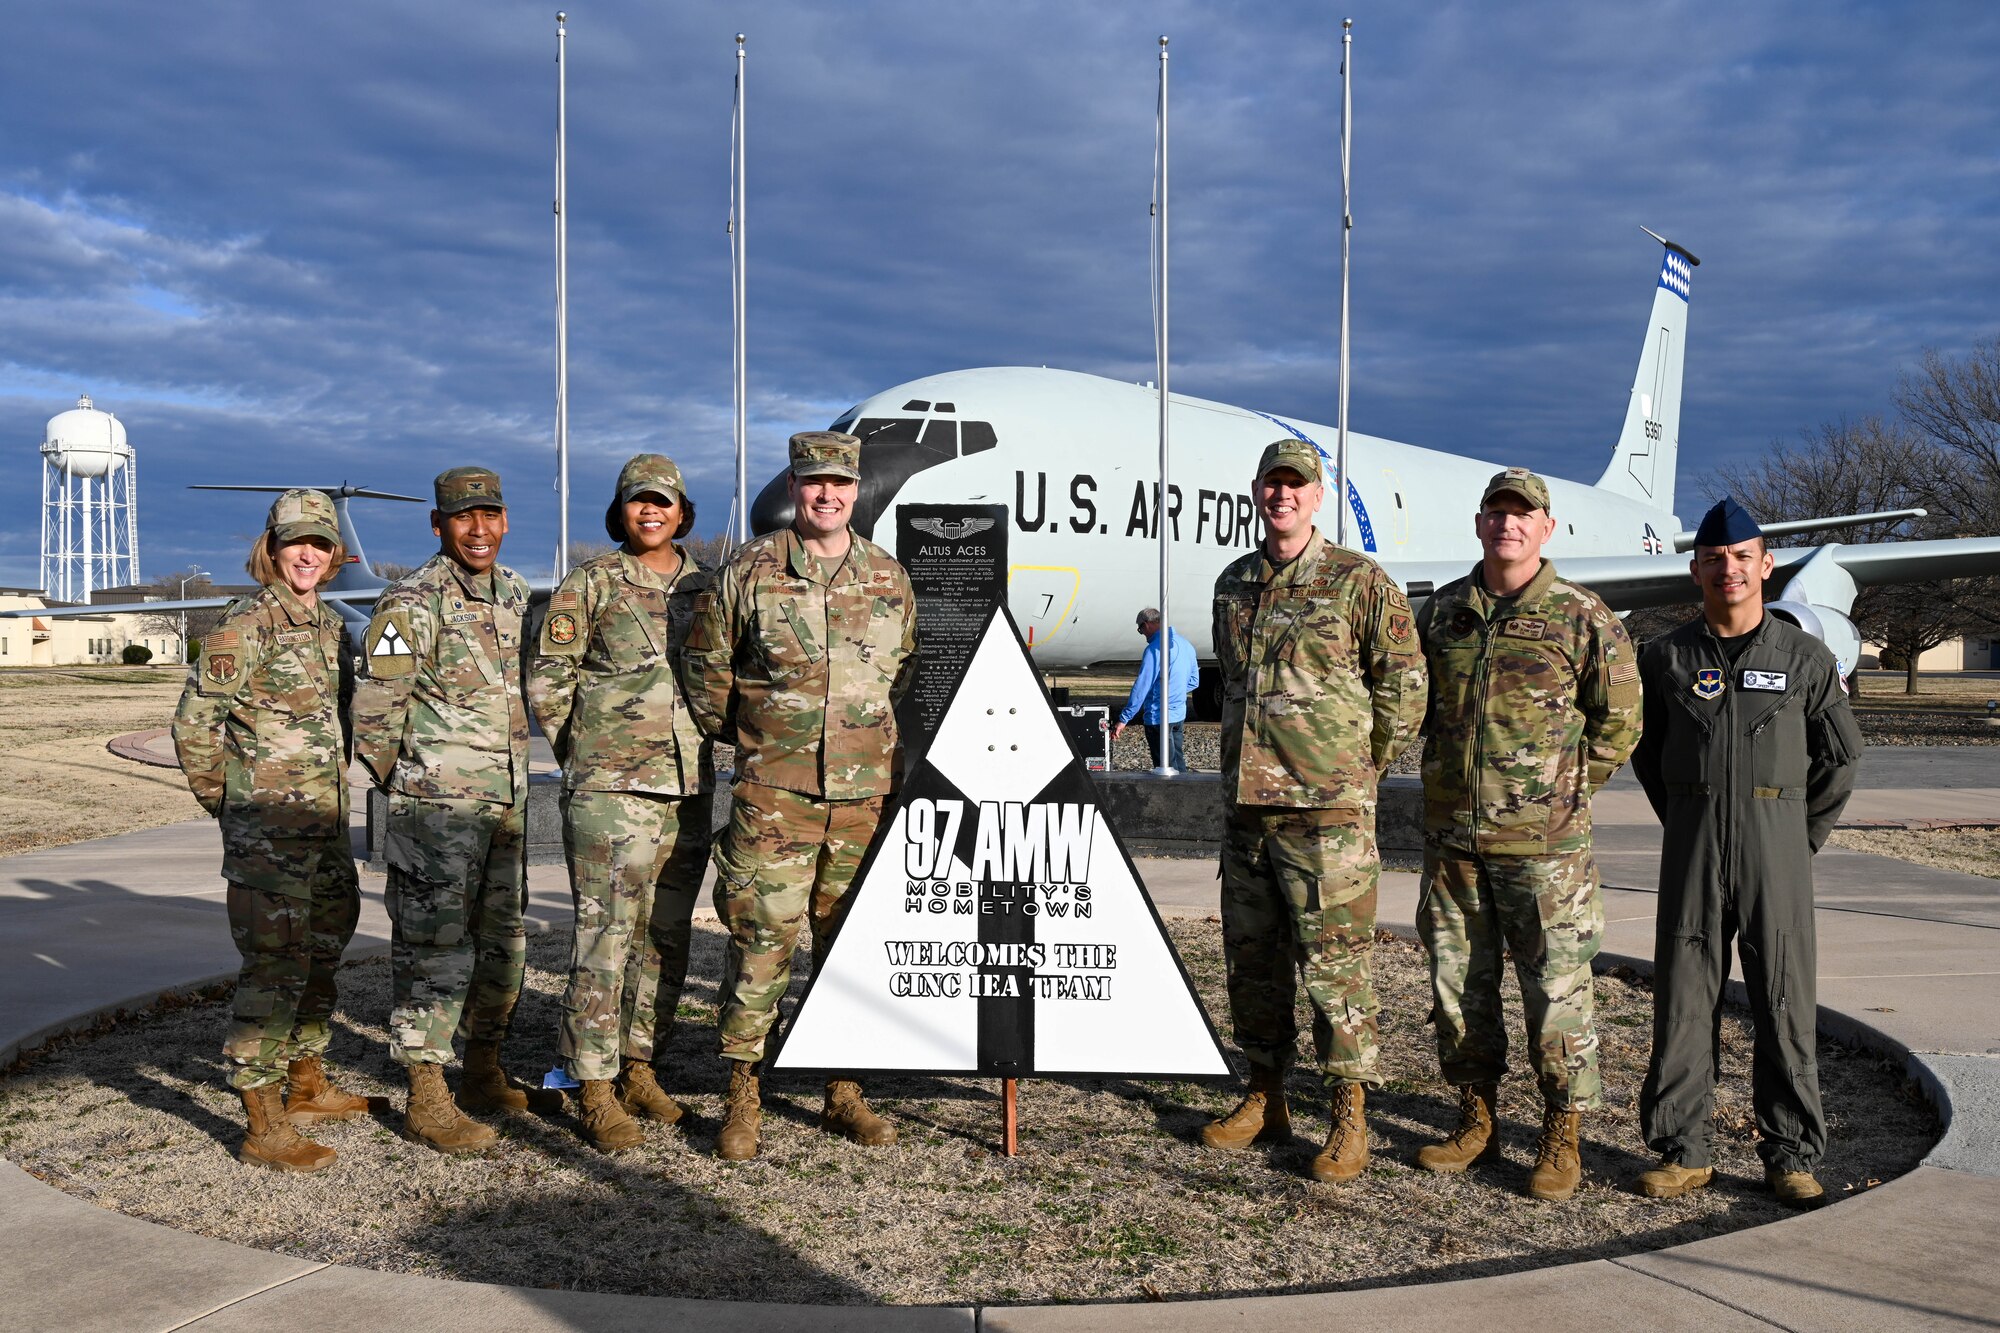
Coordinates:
column 1957, row 655
column 76, row 640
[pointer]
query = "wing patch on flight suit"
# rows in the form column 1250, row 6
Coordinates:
column 389, row 651
column 1707, row 683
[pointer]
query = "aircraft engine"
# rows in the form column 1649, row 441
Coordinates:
column 1829, row 626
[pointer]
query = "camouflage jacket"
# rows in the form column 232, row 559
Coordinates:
column 440, row 714
column 261, row 729
column 602, row 680
column 1534, row 705
column 1322, row 680
column 801, row 671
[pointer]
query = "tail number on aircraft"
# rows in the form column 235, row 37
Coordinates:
column 1221, row 518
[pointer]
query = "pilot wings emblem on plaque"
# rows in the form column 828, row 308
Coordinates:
column 951, row 531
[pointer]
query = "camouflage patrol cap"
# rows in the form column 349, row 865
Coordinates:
column 1296, row 454
column 653, row 473
column 1521, row 482
column 303, row 513
column 826, row 453
column 463, row 488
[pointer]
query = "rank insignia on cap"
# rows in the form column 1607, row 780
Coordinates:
column 562, row 628
column 1707, row 683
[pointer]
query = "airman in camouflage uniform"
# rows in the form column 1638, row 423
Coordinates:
column 797, row 657
column 441, row 725
column 261, row 732
column 637, row 784
column 1323, row 685
column 1534, row 704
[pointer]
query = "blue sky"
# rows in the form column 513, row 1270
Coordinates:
column 314, row 243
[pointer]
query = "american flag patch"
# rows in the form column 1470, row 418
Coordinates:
column 1622, row 673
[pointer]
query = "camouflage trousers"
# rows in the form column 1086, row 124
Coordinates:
column 635, row 867
column 291, row 940
column 458, row 947
column 784, row 858
column 1298, row 895
column 1546, row 911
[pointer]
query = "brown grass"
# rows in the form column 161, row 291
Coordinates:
column 62, row 785
column 1111, row 1198
column 1968, row 851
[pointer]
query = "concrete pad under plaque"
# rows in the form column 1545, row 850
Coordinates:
column 1576, row 1298
column 1914, row 1253
column 356, row 1300
column 66, row 1264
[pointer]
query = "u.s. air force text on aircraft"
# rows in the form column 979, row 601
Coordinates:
column 1222, row 518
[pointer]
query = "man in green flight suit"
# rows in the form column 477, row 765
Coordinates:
column 1534, row 704
column 442, row 726
column 1749, row 756
column 1322, row 687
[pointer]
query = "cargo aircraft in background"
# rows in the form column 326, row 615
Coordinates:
column 1075, row 460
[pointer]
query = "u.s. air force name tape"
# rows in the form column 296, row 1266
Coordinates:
column 1773, row 681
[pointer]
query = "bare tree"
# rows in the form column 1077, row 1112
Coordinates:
column 1956, row 404
column 167, row 588
column 709, row 552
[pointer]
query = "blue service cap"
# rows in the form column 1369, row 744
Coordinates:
column 1726, row 524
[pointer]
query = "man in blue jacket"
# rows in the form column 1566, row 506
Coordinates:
column 1183, row 674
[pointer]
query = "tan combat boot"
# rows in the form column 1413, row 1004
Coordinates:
column 605, row 1123
column 433, row 1118
column 1670, row 1180
column 1558, row 1156
column 1261, row 1117
column 486, row 1086
column 1345, row 1155
column 744, row 1112
column 1795, row 1189
column 847, row 1115
column 272, row 1141
column 311, row 1096
column 1475, row 1141
column 643, row 1096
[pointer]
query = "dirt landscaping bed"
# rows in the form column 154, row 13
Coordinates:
column 1111, row 1198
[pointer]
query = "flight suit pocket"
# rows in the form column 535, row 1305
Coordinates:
column 1778, row 747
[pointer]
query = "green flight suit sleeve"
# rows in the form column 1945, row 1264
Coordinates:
column 1646, row 760
column 402, row 634
column 1397, row 680
column 1833, row 746
column 1609, row 696
column 555, row 668
column 708, row 661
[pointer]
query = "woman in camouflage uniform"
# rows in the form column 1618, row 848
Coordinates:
column 637, row 784
column 261, row 732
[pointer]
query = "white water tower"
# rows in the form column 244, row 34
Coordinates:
column 90, row 511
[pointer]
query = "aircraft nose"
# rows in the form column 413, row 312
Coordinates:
column 772, row 508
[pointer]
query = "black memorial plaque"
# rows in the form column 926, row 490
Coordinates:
column 957, row 559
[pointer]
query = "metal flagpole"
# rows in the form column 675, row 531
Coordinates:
column 1346, row 233
column 739, row 276
column 562, row 301
column 1163, row 768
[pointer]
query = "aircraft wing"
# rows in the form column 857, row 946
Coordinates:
column 1633, row 582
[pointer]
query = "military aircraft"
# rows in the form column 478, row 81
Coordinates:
column 1074, row 458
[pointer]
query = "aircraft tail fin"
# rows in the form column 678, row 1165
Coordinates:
column 1642, row 466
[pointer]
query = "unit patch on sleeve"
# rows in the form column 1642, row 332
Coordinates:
column 389, row 650
column 562, row 628
column 1773, row 681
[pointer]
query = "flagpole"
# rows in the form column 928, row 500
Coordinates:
column 562, row 301
column 739, row 275
column 1163, row 768
column 1346, row 233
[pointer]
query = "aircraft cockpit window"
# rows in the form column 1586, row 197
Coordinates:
column 888, row 430
column 843, row 424
column 946, row 407
column 916, row 405
column 977, row 437
column 942, row 436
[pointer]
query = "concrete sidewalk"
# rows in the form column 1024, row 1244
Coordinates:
column 1910, row 962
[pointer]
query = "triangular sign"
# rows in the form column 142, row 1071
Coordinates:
column 997, row 926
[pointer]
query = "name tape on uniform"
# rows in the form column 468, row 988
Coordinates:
column 998, row 926
column 1773, row 681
